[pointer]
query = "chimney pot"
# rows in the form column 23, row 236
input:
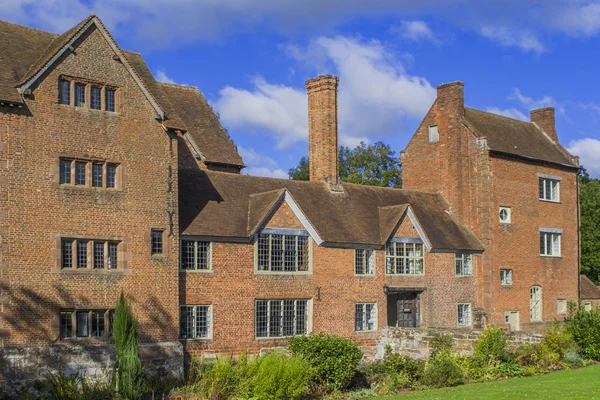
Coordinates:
column 545, row 119
column 323, row 129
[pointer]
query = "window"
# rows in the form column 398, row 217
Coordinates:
column 111, row 176
column 81, row 254
column 279, row 318
column 97, row 175
column 65, row 171
column 464, row 264
column 98, row 255
column 506, row 277
column 364, row 262
column 96, row 98
column 64, row 92
column 195, row 255
column 549, row 189
column 587, row 306
column 550, row 244
column 85, row 323
column 110, row 99
column 79, row 95
column 464, row 315
column 195, row 322
column 434, row 135
column 535, row 303
column 282, row 253
column 505, row 215
column 404, row 258
column 66, row 253
column 80, row 173
column 157, row 241
column 365, row 317
column 561, row 306
column 98, row 251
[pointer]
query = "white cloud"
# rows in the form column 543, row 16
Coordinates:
column 508, row 112
column 375, row 94
column 533, row 104
column 416, row 31
column 161, row 23
column 161, row 76
column 588, row 150
column 260, row 165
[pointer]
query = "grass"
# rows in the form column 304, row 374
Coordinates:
column 569, row 384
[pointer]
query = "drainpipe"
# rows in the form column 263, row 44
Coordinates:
column 578, row 240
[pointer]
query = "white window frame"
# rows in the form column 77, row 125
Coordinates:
column 554, row 182
column 553, row 247
column 367, row 262
column 406, row 258
column 561, row 306
column 433, row 133
column 461, row 309
column 535, row 315
column 209, row 258
column 195, row 308
column 461, row 264
column 365, row 321
column 509, row 216
column 508, row 277
column 308, row 321
column 284, row 233
column 587, row 306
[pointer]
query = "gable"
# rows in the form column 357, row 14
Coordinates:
column 68, row 44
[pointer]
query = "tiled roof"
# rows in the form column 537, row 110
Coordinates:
column 589, row 290
column 230, row 205
column 25, row 51
column 520, row 138
column 203, row 125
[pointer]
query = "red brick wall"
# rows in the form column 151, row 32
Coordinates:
column 232, row 286
column 39, row 210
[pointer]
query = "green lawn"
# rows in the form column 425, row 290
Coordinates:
column 583, row 383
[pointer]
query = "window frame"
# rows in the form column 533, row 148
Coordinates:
column 283, row 233
column 107, row 99
column 80, row 95
column 72, row 246
column 469, row 321
column 84, row 173
column 508, row 273
column 559, row 302
column 544, row 180
column 540, row 311
column 269, row 318
column 368, row 261
column 98, row 90
column 62, row 85
column 209, row 320
column 196, row 257
column 83, row 93
column 435, row 138
column 509, row 215
column 160, row 250
column 365, row 320
column 405, row 257
column 70, row 316
column 547, row 242
column 461, row 258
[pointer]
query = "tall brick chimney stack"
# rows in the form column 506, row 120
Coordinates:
column 323, row 129
column 451, row 97
column 544, row 118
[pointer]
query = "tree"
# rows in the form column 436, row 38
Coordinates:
column 127, row 375
column 375, row 164
column 589, row 199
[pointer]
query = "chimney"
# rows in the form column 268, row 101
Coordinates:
column 544, row 118
column 451, row 97
column 322, row 129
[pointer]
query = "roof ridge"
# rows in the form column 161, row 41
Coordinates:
column 30, row 27
column 499, row 115
column 179, row 85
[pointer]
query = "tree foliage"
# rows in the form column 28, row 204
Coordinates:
column 590, row 226
column 128, row 376
column 374, row 164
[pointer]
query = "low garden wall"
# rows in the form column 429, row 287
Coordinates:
column 415, row 342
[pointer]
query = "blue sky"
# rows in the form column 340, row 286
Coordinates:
column 250, row 58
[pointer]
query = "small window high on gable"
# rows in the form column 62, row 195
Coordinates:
column 434, row 135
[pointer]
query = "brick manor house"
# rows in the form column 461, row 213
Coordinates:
column 113, row 182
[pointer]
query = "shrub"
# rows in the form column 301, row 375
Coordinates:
column 558, row 340
column 525, row 355
column 442, row 371
column 368, row 373
column 333, row 358
column 277, row 376
column 392, row 383
column 573, row 357
column 409, row 366
column 491, row 344
column 219, row 379
column 441, row 344
column 76, row 387
column 127, row 374
column 584, row 326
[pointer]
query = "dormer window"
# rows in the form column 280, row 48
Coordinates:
column 434, row 135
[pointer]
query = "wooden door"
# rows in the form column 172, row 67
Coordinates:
column 406, row 307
